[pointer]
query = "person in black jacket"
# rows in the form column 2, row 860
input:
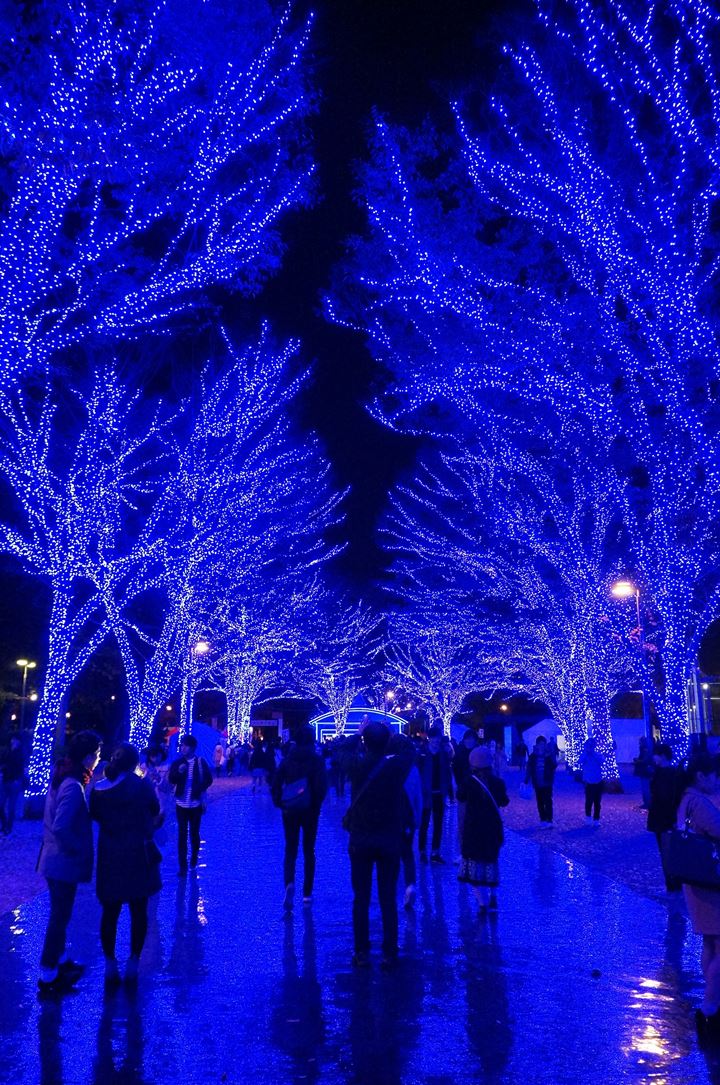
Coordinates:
column 301, row 763
column 665, row 794
column 13, row 782
column 483, row 831
column 191, row 776
column 375, row 821
column 541, row 774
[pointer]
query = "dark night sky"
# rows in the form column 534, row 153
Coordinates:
column 402, row 58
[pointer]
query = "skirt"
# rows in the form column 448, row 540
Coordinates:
column 475, row 873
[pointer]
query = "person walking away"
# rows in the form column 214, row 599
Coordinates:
column 643, row 768
column 190, row 775
column 66, row 856
column 698, row 811
column 126, row 809
column 300, row 809
column 374, row 821
column 13, row 783
column 411, row 814
column 540, row 773
column 483, row 831
column 591, row 766
column 665, row 787
column 258, row 766
column 436, row 778
column 461, row 771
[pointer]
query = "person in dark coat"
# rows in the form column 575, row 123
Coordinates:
column 376, row 822
column 665, row 793
column 66, row 856
column 301, row 762
column 191, row 776
column 483, row 832
column 125, row 807
column 541, row 774
column 461, row 772
column 436, row 776
column 13, row 782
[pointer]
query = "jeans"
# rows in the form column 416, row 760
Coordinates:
column 62, row 898
column 188, row 818
column 593, row 799
column 292, row 824
column 543, row 797
column 437, row 809
column 138, row 925
column 362, row 861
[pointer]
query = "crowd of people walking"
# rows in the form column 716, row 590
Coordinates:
column 399, row 791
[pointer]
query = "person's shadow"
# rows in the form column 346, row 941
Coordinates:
column 120, row 1042
column 297, row 1026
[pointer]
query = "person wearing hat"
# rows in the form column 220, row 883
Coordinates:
column 483, row 832
column 191, row 776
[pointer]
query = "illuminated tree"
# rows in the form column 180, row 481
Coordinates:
column 496, row 531
column 76, row 478
column 565, row 262
column 342, row 641
column 244, row 522
column 149, row 156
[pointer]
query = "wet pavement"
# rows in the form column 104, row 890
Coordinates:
column 579, row 978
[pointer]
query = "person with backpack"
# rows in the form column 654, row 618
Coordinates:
column 298, row 788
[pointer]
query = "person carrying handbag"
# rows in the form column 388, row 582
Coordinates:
column 483, row 832
column 301, row 764
column 699, row 813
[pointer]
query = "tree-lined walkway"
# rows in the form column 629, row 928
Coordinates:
column 579, row 978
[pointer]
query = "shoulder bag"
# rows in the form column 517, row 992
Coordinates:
column 690, row 857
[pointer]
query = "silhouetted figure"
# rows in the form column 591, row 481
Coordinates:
column 125, row 807
column 66, row 857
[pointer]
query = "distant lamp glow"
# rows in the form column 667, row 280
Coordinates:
column 390, row 695
column 27, row 665
column 13, row 717
column 168, row 708
column 705, row 686
column 623, row 589
column 33, row 697
column 67, row 715
column 201, row 647
column 504, row 708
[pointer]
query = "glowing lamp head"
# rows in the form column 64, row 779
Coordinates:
column 623, row 589
column 201, row 648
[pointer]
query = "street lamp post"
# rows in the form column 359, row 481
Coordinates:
column 27, row 665
column 200, row 648
column 625, row 589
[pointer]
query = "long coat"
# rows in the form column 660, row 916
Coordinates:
column 67, row 848
column 483, row 833
column 125, row 811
